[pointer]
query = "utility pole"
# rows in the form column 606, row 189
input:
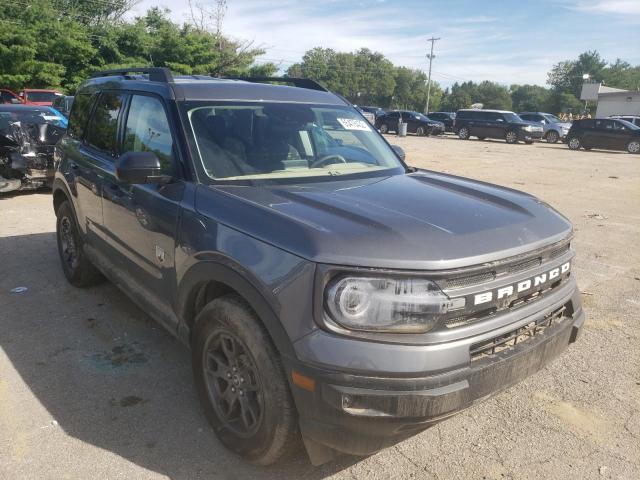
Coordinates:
column 430, row 56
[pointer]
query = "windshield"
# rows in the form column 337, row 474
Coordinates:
column 40, row 96
column 629, row 125
column 286, row 141
column 552, row 118
column 512, row 117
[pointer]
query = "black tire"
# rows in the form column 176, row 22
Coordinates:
column 528, row 142
column 463, row 133
column 633, row 146
column 574, row 143
column 481, row 138
column 384, row 128
column 421, row 131
column 245, row 395
column 552, row 136
column 511, row 137
column 80, row 272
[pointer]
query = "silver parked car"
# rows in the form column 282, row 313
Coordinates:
column 554, row 128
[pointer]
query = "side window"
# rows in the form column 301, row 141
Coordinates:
column 604, row 124
column 618, row 126
column 103, row 126
column 147, row 130
column 79, row 115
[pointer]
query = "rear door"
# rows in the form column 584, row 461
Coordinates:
column 93, row 157
column 141, row 220
column 620, row 136
column 604, row 135
column 494, row 125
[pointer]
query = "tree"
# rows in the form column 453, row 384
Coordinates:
column 530, row 98
column 58, row 43
column 410, row 92
column 567, row 76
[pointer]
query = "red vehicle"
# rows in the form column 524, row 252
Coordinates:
column 40, row 97
column 9, row 96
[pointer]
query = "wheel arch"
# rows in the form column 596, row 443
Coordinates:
column 211, row 279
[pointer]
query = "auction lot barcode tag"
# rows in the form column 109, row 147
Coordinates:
column 354, row 124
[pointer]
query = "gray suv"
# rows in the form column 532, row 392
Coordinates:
column 327, row 291
column 554, row 128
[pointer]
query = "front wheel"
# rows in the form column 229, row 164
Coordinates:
column 80, row 272
column 421, row 131
column 384, row 128
column 553, row 136
column 241, row 382
column 463, row 133
column 528, row 142
column 633, row 146
column 511, row 137
column 481, row 138
column 574, row 143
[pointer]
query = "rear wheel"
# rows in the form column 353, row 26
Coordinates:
column 241, row 382
column 463, row 133
column 384, row 128
column 633, row 146
column 79, row 271
column 552, row 136
column 511, row 137
column 574, row 143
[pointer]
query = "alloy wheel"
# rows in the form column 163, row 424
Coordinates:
column 511, row 137
column 552, row 136
column 68, row 243
column 232, row 383
column 463, row 133
column 634, row 146
column 574, row 144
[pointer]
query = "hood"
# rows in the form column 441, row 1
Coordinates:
column 422, row 221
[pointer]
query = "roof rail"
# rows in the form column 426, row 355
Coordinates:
column 156, row 74
column 296, row 82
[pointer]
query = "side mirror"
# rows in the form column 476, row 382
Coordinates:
column 138, row 167
column 399, row 151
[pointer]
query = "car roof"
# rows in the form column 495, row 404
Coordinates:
column 39, row 90
column 201, row 87
column 483, row 110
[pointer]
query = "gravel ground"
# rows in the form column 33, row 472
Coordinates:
column 90, row 387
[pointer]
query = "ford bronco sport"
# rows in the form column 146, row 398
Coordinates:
column 327, row 291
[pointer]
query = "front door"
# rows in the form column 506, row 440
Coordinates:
column 141, row 220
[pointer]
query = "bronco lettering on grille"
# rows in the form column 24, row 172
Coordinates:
column 522, row 286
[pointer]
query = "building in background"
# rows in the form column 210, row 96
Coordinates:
column 611, row 101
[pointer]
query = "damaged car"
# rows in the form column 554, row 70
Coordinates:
column 28, row 135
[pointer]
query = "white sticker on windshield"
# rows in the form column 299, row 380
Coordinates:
column 354, row 124
column 50, row 117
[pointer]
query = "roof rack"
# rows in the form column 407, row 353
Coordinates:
column 156, row 74
column 296, row 82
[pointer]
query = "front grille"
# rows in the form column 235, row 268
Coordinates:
column 504, row 268
column 508, row 341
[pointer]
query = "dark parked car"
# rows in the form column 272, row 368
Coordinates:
column 377, row 111
column 606, row 133
column 554, row 129
column 327, row 290
column 495, row 124
column 28, row 135
column 416, row 123
column 63, row 104
column 635, row 119
column 448, row 118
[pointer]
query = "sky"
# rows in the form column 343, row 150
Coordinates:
column 509, row 41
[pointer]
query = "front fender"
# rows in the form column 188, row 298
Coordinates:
column 214, row 270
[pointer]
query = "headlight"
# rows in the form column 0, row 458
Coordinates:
column 399, row 305
column 528, row 128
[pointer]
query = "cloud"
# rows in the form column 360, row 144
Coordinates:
column 619, row 7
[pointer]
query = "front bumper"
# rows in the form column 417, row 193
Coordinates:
column 528, row 136
column 360, row 414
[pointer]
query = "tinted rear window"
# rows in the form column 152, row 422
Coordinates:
column 79, row 115
column 102, row 130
